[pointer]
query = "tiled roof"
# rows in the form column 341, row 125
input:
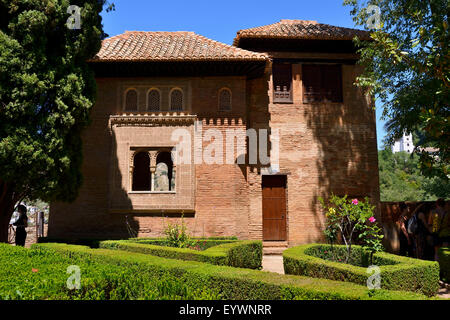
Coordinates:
column 170, row 46
column 301, row 29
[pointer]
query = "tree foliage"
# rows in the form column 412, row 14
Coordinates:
column 46, row 92
column 402, row 180
column 407, row 69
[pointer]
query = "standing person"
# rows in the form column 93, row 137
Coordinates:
column 421, row 231
column 21, row 223
column 405, row 239
column 440, row 224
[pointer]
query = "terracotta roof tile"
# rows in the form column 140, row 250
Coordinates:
column 301, row 29
column 170, row 46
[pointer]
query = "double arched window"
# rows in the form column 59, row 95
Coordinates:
column 224, row 99
column 152, row 171
column 131, row 100
column 176, row 99
column 154, row 100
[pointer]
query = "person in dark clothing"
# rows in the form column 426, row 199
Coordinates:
column 406, row 244
column 422, row 232
column 21, row 223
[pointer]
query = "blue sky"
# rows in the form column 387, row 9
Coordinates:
column 220, row 20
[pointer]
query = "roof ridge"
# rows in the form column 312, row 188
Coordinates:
column 300, row 29
column 296, row 21
column 138, row 31
column 171, row 46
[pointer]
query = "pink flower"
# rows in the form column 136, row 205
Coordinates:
column 34, row 270
column 372, row 219
column 355, row 201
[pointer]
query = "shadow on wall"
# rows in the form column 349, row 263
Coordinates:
column 344, row 142
column 122, row 225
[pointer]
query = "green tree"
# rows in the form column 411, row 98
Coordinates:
column 46, row 92
column 402, row 180
column 407, row 69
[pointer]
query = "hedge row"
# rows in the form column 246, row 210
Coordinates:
column 241, row 254
column 444, row 263
column 231, row 283
column 198, row 244
column 397, row 272
column 39, row 274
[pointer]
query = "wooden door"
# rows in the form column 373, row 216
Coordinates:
column 274, row 207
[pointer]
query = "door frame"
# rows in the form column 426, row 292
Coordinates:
column 286, row 216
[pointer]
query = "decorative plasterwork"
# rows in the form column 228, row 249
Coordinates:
column 151, row 120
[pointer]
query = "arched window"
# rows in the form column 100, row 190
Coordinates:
column 224, row 99
column 131, row 100
column 176, row 100
column 153, row 100
column 141, row 172
column 165, row 173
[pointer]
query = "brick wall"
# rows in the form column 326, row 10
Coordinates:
column 324, row 148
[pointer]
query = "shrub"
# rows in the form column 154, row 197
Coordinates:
column 231, row 283
column 177, row 235
column 41, row 274
column 346, row 217
column 397, row 272
column 444, row 263
column 242, row 254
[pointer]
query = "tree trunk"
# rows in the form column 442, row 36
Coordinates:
column 7, row 203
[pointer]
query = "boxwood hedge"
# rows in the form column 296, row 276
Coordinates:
column 231, row 283
column 200, row 244
column 397, row 272
column 241, row 254
column 444, row 263
column 39, row 274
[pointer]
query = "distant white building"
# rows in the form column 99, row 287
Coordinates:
column 405, row 143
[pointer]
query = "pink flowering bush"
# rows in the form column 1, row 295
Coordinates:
column 347, row 218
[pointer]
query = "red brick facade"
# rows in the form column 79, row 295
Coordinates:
column 323, row 148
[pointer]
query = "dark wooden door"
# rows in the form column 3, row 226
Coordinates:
column 274, row 207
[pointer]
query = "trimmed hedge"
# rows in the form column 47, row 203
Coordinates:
column 40, row 274
column 397, row 272
column 241, row 254
column 202, row 244
column 231, row 283
column 444, row 263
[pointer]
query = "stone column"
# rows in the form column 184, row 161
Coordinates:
column 152, row 154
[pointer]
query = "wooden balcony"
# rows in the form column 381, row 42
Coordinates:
column 282, row 95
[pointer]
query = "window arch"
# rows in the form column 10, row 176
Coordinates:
column 141, row 172
column 176, row 99
column 224, row 99
column 131, row 100
column 154, row 100
column 165, row 172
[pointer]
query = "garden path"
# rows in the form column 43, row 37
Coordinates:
column 273, row 263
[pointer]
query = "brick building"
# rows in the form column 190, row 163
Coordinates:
column 180, row 128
